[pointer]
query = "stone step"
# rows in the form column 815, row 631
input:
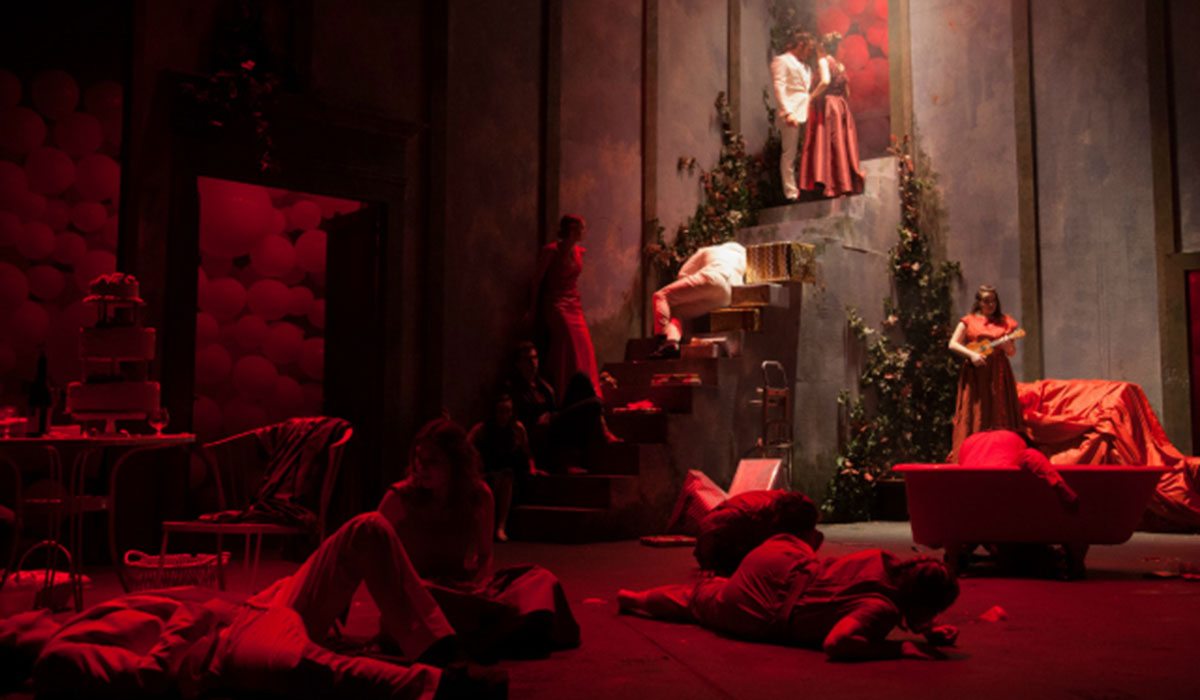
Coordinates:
column 640, row 348
column 639, row 427
column 569, row 525
column 580, row 490
column 672, row 398
column 641, row 372
column 628, row 458
column 760, row 294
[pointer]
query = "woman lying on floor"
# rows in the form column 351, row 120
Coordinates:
column 187, row 641
column 782, row 593
column 443, row 513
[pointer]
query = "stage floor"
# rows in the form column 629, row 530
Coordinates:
column 1115, row 635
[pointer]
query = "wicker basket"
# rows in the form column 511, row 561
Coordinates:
column 141, row 569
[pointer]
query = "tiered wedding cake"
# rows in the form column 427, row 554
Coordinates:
column 115, row 356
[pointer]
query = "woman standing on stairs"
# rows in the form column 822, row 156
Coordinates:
column 443, row 514
column 567, row 346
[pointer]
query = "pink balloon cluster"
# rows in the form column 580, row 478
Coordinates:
column 260, row 354
column 864, row 52
column 59, row 186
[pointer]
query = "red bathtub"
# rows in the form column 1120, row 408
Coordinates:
column 951, row 505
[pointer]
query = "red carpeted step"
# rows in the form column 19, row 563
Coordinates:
column 671, row 398
column 642, row 372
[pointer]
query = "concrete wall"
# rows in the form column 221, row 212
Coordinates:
column 1095, row 193
column 491, row 208
column 964, row 122
column 811, row 338
column 755, row 68
column 1184, row 16
column 692, row 61
column 601, row 160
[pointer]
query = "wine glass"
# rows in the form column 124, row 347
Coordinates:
column 158, row 419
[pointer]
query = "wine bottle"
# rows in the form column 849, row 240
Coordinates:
column 41, row 399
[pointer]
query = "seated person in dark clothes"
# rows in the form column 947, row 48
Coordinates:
column 1004, row 448
column 443, row 515
column 559, row 433
column 728, row 533
column 190, row 642
column 783, row 594
column 503, row 446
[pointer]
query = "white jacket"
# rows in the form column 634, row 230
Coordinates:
column 792, row 78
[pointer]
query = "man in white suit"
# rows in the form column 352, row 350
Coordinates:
column 793, row 78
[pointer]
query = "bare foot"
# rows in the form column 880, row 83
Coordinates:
column 629, row 601
column 501, row 535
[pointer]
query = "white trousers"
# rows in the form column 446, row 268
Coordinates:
column 688, row 297
column 270, row 647
column 787, row 160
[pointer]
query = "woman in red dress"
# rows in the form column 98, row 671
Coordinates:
column 829, row 163
column 569, row 344
column 987, row 390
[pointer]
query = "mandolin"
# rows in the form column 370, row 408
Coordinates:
column 986, row 347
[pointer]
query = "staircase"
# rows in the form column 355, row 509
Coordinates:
column 632, row 485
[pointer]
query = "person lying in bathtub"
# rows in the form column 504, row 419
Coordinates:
column 1003, row 447
column 782, row 593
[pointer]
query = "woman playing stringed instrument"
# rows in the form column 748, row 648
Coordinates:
column 987, row 390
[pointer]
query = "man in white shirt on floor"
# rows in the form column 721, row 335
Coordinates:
column 792, row 77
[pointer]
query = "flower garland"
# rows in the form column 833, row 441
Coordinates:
column 734, row 192
column 905, row 411
column 242, row 86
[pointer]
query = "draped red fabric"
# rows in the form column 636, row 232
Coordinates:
column 1093, row 421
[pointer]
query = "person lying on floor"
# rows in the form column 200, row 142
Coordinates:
column 731, row 530
column 782, row 593
column 443, row 513
column 192, row 643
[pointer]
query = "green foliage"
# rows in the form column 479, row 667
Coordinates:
column 243, row 87
column 733, row 196
column 786, row 14
column 905, row 410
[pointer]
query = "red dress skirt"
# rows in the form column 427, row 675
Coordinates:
column 829, row 163
column 569, row 348
column 987, row 395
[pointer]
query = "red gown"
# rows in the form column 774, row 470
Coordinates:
column 987, row 395
column 830, row 159
column 569, row 347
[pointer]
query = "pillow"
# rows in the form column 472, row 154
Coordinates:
column 698, row 496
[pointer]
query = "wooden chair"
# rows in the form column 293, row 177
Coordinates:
column 237, row 465
column 10, row 513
